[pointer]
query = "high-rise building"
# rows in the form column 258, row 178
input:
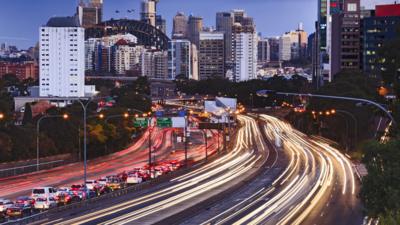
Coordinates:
column 285, row 47
column 179, row 59
column 195, row 26
column 180, row 26
column 155, row 64
column 211, row 55
column 338, row 32
column 244, row 51
column 149, row 11
column 91, row 13
column 273, row 49
column 381, row 26
column 224, row 23
column 263, row 51
column 62, row 58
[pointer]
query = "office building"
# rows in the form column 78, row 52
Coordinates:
column 274, row 49
column 91, row 13
column 224, row 23
column 211, row 55
column 179, row 59
column 195, row 26
column 263, row 51
column 149, row 11
column 180, row 26
column 62, row 58
column 285, row 47
column 381, row 26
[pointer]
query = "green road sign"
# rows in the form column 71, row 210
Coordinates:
column 141, row 122
column 164, row 122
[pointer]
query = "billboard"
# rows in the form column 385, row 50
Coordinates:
column 226, row 103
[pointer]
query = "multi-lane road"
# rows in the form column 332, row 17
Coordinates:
column 303, row 180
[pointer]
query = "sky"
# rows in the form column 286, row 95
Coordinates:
column 20, row 19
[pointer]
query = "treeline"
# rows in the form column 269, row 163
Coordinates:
column 60, row 136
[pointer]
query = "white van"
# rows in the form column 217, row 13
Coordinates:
column 44, row 192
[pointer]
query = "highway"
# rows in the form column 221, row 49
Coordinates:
column 134, row 156
column 310, row 183
column 166, row 201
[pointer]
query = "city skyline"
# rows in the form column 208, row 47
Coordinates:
column 24, row 29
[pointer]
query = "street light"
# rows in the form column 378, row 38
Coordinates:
column 1, row 116
column 65, row 117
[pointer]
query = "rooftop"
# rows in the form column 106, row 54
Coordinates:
column 63, row 22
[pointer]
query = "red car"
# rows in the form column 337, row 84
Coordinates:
column 26, row 200
column 77, row 187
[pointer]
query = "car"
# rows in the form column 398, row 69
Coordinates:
column 5, row 204
column 103, row 181
column 134, row 178
column 92, row 185
column 18, row 210
column 65, row 198
column 26, row 200
column 115, row 183
column 62, row 190
column 45, row 203
column 77, row 187
column 43, row 192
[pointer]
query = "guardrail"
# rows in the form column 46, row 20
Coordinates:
column 29, row 168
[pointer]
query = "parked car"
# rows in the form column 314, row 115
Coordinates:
column 19, row 210
column 5, row 204
column 43, row 192
column 26, row 200
column 62, row 190
column 103, row 181
column 45, row 203
column 134, row 178
column 77, row 187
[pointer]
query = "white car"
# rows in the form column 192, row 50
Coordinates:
column 43, row 192
column 62, row 190
column 134, row 179
column 5, row 204
column 103, row 181
column 45, row 203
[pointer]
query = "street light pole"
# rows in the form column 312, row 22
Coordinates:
column 355, row 124
column 65, row 116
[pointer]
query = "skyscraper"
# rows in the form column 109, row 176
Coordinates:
column 161, row 24
column 211, row 55
column 91, row 13
column 224, row 23
column 195, row 26
column 149, row 11
column 155, row 64
column 62, row 58
column 180, row 26
column 273, row 49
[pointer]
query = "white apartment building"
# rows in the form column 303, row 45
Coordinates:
column 62, row 58
column 245, row 53
column 126, row 57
